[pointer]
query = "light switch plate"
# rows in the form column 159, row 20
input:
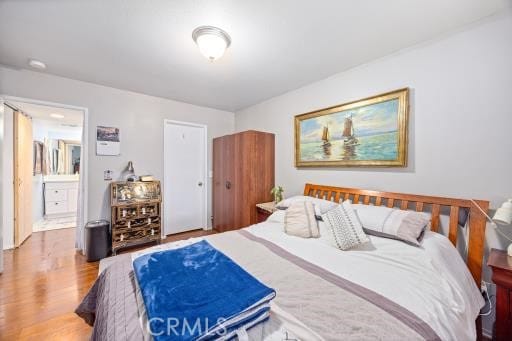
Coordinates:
column 210, row 174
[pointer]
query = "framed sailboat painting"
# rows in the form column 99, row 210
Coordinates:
column 370, row 132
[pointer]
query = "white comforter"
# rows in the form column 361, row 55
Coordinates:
column 433, row 282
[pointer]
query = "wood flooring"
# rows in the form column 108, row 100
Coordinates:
column 43, row 282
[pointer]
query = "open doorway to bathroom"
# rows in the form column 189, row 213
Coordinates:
column 46, row 150
column 57, row 143
column 56, row 135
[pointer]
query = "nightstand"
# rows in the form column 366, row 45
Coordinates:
column 501, row 265
column 265, row 210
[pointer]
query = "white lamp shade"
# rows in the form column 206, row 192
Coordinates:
column 503, row 214
column 211, row 46
column 212, row 41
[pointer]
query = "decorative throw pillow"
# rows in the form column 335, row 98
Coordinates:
column 300, row 220
column 406, row 226
column 345, row 230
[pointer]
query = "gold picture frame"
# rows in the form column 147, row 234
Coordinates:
column 370, row 132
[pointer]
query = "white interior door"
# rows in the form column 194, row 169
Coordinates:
column 184, row 177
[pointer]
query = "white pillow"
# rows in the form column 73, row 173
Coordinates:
column 277, row 217
column 323, row 205
column 380, row 221
column 344, row 230
column 300, row 220
column 325, row 234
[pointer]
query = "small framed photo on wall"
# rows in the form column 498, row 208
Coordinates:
column 108, row 141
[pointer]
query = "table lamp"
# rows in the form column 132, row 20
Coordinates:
column 503, row 216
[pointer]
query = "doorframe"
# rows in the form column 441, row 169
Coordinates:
column 83, row 163
column 206, row 178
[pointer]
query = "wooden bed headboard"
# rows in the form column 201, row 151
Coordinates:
column 477, row 221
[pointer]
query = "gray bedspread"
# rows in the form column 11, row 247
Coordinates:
column 315, row 303
column 111, row 305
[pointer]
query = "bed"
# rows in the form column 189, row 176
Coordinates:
column 389, row 290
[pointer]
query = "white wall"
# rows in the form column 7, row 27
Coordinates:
column 460, row 118
column 139, row 117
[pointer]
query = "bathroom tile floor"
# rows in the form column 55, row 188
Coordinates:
column 56, row 223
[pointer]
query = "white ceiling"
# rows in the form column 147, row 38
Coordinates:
column 277, row 45
column 43, row 112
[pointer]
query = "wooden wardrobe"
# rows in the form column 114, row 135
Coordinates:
column 243, row 175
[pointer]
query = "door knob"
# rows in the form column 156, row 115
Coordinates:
column 200, row 183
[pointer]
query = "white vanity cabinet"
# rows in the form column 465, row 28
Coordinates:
column 60, row 198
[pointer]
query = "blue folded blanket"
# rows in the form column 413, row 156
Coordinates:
column 196, row 292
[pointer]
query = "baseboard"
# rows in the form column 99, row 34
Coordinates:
column 8, row 247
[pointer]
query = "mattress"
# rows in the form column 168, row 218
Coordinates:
column 385, row 289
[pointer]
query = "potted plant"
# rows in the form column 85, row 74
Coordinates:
column 277, row 192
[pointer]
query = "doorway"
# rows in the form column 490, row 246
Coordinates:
column 184, row 181
column 44, row 151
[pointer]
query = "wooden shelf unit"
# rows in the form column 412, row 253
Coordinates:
column 136, row 213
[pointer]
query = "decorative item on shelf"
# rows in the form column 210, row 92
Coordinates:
column 277, row 192
column 146, row 178
column 135, row 213
column 502, row 216
column 129, row 173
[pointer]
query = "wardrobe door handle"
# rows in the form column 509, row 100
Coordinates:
column 228, row 185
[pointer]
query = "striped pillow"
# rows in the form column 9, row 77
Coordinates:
column 406, row 226
column 344, row 227
column 300, row 221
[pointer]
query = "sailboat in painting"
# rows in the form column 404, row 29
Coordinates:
column 326, row 137
column 349, row 138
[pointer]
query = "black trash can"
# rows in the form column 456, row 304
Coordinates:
column 97, row 240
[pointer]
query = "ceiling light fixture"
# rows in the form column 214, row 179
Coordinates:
column 212, row 41
column 57, row 116
column 37, row 64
